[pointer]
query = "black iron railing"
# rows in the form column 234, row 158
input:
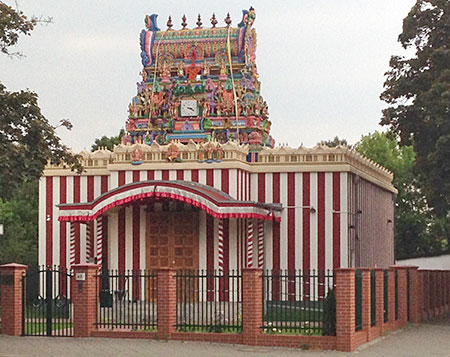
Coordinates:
column 46, row 302
column 299, row 302
column 127, row 300
column 373, row 297
column 358, row 300
column 209, row 301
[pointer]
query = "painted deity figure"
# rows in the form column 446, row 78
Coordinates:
column 223, row 67
column 206, row 107
column 173, row 153
column 180, row 69
column 144, row 75
column 174, row 108
column 206, row 69
column 165, row 70
column 193, row 70
column 218, row 97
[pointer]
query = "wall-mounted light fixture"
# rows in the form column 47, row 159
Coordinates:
column 347, row 212
column 312, row 209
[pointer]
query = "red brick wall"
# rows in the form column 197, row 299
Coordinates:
column 429, row 296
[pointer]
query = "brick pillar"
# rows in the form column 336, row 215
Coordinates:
column 84, row 298
column 11, row 298
column 442, row 293
column 167, row 302
column 414, row 294
column 402, row 296
column 391, row 297
column 366, row 317
column 252, row 296
column 425, row 294
column 447, row 291
column 345, row 309
column 380, row 299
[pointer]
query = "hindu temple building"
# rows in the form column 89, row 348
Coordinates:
column 198, row 183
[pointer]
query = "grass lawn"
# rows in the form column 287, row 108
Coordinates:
column 38, row 328
column 209, row 329
column 289, row 314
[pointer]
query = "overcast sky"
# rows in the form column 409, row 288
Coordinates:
column 321, row 62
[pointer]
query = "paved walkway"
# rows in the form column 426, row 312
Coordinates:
column 428, row 339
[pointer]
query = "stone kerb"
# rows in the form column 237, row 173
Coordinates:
column 11, row 298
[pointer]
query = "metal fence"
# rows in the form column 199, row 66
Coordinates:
column 209, row 301
column 294, row 301
column 46, row 302
column 127, row 300
column 373, row 297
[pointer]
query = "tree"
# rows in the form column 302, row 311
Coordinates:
column 27, row 139
column 335, row 142
column 417, row 91
column 13, row 24
column 108, row 142
column 417, row 231
column 27, row 142
column 19, row 217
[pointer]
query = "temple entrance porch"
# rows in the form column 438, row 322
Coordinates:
column 168, row 224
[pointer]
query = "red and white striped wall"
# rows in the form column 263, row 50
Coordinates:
column 313, row 232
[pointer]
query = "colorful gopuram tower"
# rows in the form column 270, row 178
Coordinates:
column 199, row 84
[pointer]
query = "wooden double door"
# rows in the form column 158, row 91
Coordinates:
column 172, row 240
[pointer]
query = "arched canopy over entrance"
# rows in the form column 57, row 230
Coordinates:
column 214, row 202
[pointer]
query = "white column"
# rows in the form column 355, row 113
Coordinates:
column 250, row 244
column 100, row 241
column 260, row 243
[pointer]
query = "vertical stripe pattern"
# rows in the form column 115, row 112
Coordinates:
column 250, row 244
column 100, row 241
column 314, row 233
column 260, row 243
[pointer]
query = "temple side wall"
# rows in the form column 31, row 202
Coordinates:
column 371, row 224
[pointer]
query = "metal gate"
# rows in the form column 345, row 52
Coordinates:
column 47, row 305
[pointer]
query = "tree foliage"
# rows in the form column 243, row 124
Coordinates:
column 417, row 91
column 334, row 143
column 108, row 141
column 418, row 232
column 27, row 142
column 27, row 139
column 19, row 215
column 13, row 23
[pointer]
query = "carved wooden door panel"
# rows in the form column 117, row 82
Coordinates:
column 172, row 240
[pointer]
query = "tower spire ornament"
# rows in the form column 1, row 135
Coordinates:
column 169, row 23
column 184, row 23
column 213, row 20
column 199, row 22
column 228, row 20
